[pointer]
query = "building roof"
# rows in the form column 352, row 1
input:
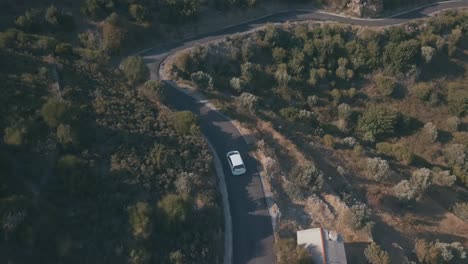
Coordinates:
column 325, row 246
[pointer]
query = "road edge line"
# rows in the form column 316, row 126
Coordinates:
column 226, row 207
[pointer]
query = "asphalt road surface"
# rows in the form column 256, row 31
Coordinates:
column 253, row 240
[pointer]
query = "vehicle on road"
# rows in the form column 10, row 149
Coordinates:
column 236, row 163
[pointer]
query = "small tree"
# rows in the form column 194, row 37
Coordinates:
column 139, row 216
column 453, row 123
column 15, row 135
column 55, row 112
column 427, row 53
column 344, row 111
column 377, row 169
column 202, row 80
column 430, row 132
column 385, row 85
column 376, row 255
column 288, row 252
column 358, row 217
column 184, row 122
column 461, row 210
column 237, row 84
column 404, row 191
column 135, row 69
column 139, row 13
column 421, row 180
column 376, row 122
column 308, row 177
column 174, row 210
column 65, row 135
column 246, row 101
column 329, row 141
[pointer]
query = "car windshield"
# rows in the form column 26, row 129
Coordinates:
column 239, row 167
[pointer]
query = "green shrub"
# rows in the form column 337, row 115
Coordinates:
column 139, row 13
column 398, row 151
column 113, row 34
column 204, row 81
column 135, row 69
column 377, row 169
column 453, row 123
column 358, row 217
column 31, row 21
column 139, row 217
column 377, row 122
column 385, row 85
column 15, row 135
column 376, row 255
column 422, row 90
column 289, row 252
column 457, row 99
column 55, row 112
column 329, row 141
column 174, row 211
column 246, row 101
column 307, row 177
column 184, row 122
column 401, row 56
column 461, row 210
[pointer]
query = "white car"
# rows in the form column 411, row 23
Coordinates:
column 236, row 163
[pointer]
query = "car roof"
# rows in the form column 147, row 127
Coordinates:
column 236, row 159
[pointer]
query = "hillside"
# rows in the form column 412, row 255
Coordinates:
column 91, row 170
column 362, row 130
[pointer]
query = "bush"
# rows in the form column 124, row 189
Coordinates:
column 307, row 177
column 237, row 84
column 65, row 135
column 385, row 85
column 139, row 13
column 135, row 69
column 438, row 252
column 113, row 34
column 427, row 53
column 444, row 178
column 430, row 132
column 399, row 57
column 312, row 101
column 179, row 11
column 358, row 217
column 288, row 252
column 202, row 80
column 421, row 180
column 59, row 20
column 376, row 122
column 55, row 112
column 398, row 151
column 376, row 255
column 139, row 217
column 15, row 135
column 461, row 210
column 404, row 191
column 31, row 21
column 184, row 122
column 246, row 101
column 329, row 141
column 422, row 90
column 453, row 123
column 377, row 169
column 350, row 142
column 344, row 111
column 174, row 211
column 457, row 99
column 158, row 88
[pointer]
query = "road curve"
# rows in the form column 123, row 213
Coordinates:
column 252, row 233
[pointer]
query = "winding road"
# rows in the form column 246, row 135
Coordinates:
column 252, row 232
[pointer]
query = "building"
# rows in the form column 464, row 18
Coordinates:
column 326, row 247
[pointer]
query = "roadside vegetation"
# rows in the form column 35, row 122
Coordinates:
column 378, row 117
column 90, row 169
